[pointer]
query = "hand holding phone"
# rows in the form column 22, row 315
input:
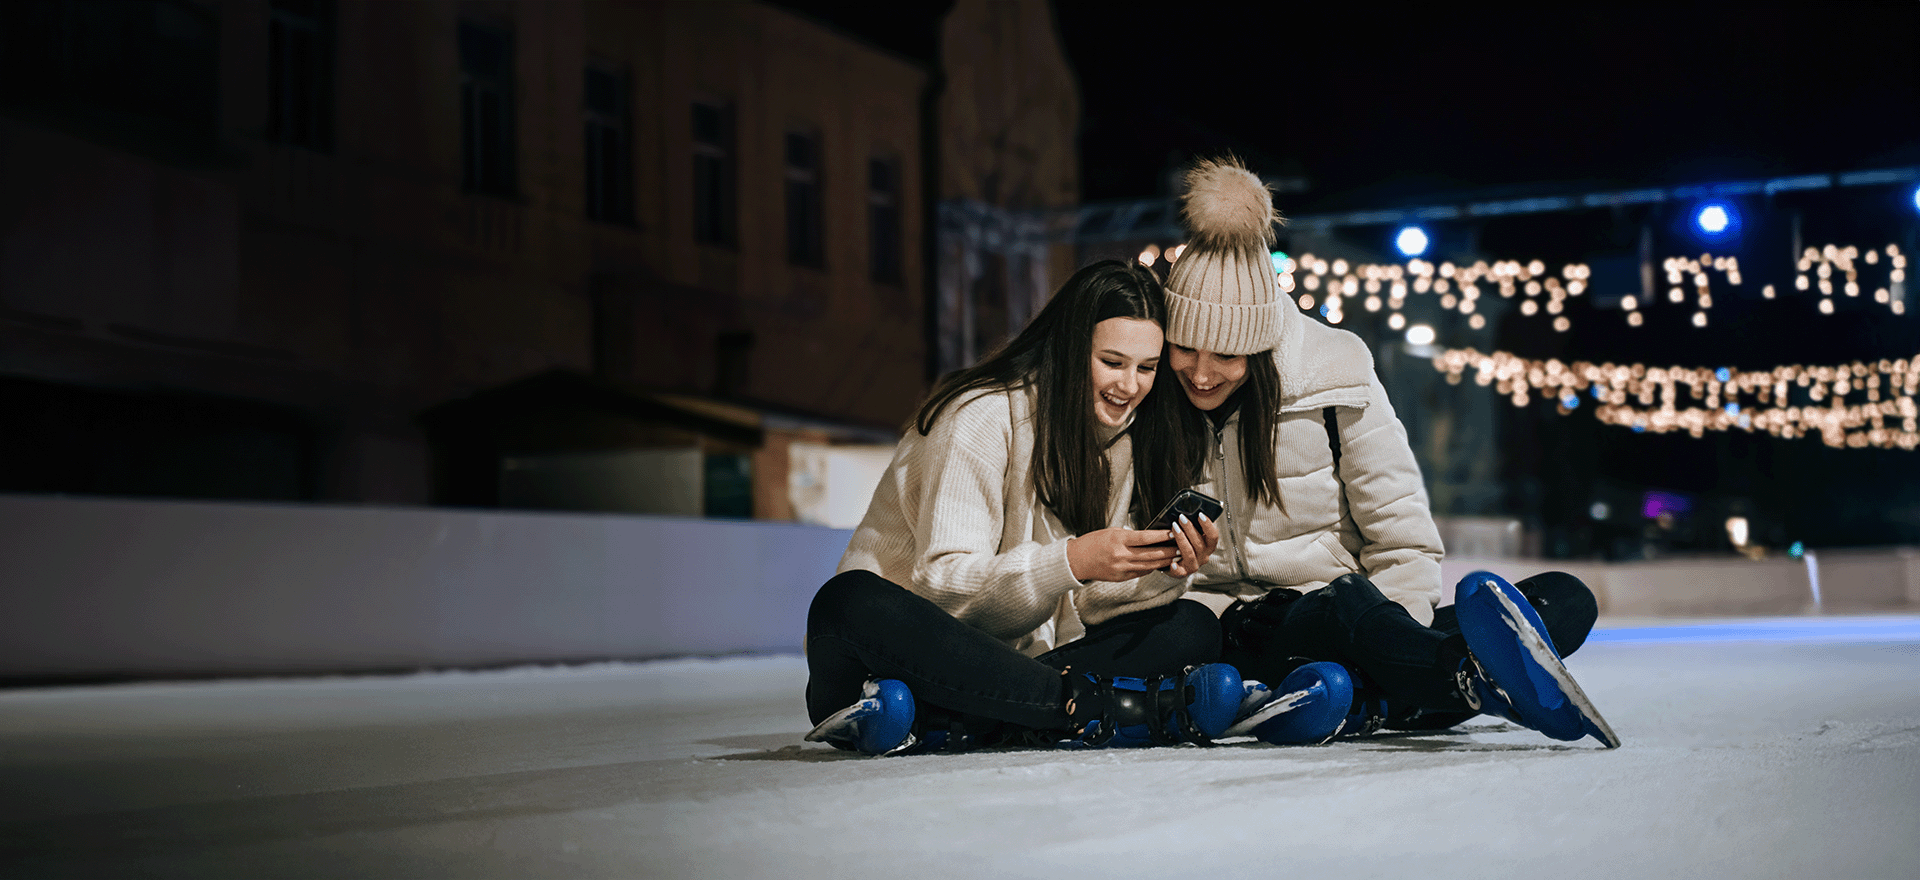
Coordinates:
column 1198, row 537
column 1188, row 502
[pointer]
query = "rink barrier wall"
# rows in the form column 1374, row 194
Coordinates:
column 134, row 589
column 101, row 588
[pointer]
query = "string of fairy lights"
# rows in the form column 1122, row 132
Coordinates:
column 1852, row 405
column 1458, row 288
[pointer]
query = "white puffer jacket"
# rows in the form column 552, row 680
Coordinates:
column 1370, row 517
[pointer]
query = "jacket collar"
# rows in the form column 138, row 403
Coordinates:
column 1320, row 366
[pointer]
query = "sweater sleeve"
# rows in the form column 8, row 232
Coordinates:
column 1100, row 601
column 959, row 500
column 1401, row 549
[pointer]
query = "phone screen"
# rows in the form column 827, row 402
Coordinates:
column 1192, row 504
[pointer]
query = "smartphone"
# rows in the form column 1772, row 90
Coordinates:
column 1190, row 502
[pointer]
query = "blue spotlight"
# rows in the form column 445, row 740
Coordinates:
column 1714, row 219
column 1916, row 198
column 1411, row 240
column 1717, row 220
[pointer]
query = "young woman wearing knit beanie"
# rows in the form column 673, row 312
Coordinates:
column 1328, row 572
column 995, row 592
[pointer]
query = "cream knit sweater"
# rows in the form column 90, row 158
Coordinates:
column 957, row 520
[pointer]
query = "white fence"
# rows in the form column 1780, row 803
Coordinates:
column 147, row 588
column 108, row 588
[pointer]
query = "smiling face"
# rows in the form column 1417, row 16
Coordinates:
column 1126, row 354
column 1208, row 378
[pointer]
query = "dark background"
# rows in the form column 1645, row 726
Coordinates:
column 1381, row 103
column 1376, row 107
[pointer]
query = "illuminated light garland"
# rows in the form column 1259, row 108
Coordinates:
column 1625, row 394
column 1458, row 287
column 1761, row 400
column 1825, row 263
column 1747, row 400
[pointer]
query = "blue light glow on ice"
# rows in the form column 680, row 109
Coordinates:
column 1785, row 629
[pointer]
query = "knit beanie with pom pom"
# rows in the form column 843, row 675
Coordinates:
column 1222, row 295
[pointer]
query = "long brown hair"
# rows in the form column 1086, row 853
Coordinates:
column 1053, row 355
column 1259, row 427
column 1185, row 447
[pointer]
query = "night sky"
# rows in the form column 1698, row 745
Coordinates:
column 1382, row 104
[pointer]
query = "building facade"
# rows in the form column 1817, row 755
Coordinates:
column 250, row 248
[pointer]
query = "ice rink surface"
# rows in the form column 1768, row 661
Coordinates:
column 1753, row 748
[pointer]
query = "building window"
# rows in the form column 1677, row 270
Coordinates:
column 713, row 175
column 486, row 109
column 609, row 147
column 300, row 73
column 883, row 220
column 805, row 245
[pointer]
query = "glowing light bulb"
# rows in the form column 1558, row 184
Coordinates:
column 1714, row 219
column 1412, row 241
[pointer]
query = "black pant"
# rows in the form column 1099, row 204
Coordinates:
column 1351, row 623
column 863, row 626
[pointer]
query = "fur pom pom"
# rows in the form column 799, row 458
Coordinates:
column 1227, row 205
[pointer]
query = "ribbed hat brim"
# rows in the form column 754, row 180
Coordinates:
column 1221, row 328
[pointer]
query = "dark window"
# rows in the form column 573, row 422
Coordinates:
column 883, row 219
column 486, row 109
column 300, row 73
column 805, row 246
column 729, row 486
column 713, row 186
column 609, row 147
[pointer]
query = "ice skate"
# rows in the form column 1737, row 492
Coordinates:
column 1254, row 695
column 1195, row 706
column 880, row 723
column 1314, row 704
column 1512, row 669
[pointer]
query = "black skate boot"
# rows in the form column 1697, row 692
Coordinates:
column 1193, row 706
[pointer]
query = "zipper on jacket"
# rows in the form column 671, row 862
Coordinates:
column 1227, row 492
